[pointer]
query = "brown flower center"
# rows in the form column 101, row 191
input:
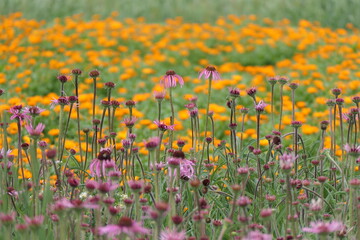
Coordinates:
column 211, row 68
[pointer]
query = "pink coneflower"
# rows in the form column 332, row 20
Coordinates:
column 36, row 221
column 125, row 226
column 352, row 151
column 170, row 78
column 260, row 107
column 256, row 235
column 35, row 132
column 18, row 114
column 163, row 127
column 99, row 166
column 130, row 122
column 62, row 101
column 210, row 71
column 324, row 227
column 251, row 91
column 33, row 110
column 287, row 161
column 152, row 143
column 169, row 234
column 159, row 96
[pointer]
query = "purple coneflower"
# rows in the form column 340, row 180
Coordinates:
column 163, row 127
column 33, row 111
column 170, row 78
column 35, row 132
column 324, row 227
column 18, row 114
column 260, row 107
column 287, row 161
column 352, row 151
column 169, row 234
column 256, row 235
column 210, row 71
column 125, row 226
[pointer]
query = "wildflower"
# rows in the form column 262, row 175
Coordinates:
column 2, row 91
column 172, row 235
column 287, row 161
column 169, row 79
column 352, row 151
column 63, row 78
column 130, row 103
column 62, row 101
column 273, row 80
column 35, row 221
column 256, row 235
column 356, row 99
column 134, row 185
column 159, row 96
column 293, row 85
column 330, row 102
column 296, row 124
column 163, row 127
column 18, row 114
column 125, row 226
column 35, row 132
column 316, row 205
column 336, row 92
column 260, row 107
column 115, row 104
column 33, row 111
column 251, row 92
column 129, row 122
column 282, row 80
column 94, row 73
column 98, row 165
column 339, row 101
column 210, row 71
column 7, row 218
column 109, row 85
column 152, row 143
column 76, row 72
column 324, row 227
column 324, row 124
column 234, row 92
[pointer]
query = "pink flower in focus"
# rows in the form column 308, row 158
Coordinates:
column 170, row 78
column 172, row 235
column 324, row 227
column 17, row 114
column 35, row 132
column 125, row 226
column 210, row 71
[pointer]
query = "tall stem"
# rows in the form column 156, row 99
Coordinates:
column 281, row 106
column 171, row 118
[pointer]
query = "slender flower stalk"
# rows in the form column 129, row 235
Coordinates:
column 94, row 74
column 339, row 102
column 272, row 81
column 77, row 73
column 293, row 87
column 296, row 125
column 282, row 81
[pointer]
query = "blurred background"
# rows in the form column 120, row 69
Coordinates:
column 331, row 13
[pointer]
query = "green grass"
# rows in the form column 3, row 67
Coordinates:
column 331, row 13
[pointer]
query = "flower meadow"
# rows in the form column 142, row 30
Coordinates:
column 243, row 129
